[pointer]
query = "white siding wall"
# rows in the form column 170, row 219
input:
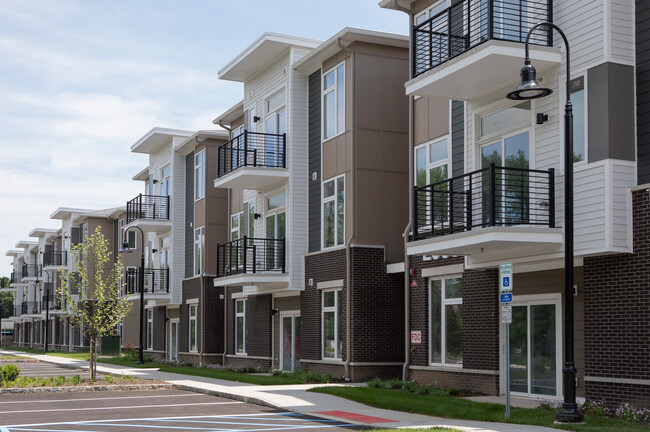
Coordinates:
column 623, row 176
column 177, row 215
column 621, row 22
column 583, row 22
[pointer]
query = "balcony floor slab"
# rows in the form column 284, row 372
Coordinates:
column 254, row 178
column 266, row 279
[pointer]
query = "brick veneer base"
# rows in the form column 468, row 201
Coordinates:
column 477, row 383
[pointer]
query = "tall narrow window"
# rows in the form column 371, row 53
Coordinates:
column 334, row 101
column 334, row 212
column 332, row 325
column 199, row 175
column 199, row 247
column 240, row 326
column 446, row 321
column 577, row 91
column 149, row 329
column 193, row 329
column 165, row 172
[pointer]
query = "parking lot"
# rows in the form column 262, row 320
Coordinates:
column 127, row 411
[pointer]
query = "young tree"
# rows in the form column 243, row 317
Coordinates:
column 98, row 307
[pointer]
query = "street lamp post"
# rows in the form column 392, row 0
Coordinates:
column 141, row 283
column 47, row 309
column 529, row 88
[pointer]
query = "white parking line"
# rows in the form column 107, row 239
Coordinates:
column 92, row 399
column 119, row 407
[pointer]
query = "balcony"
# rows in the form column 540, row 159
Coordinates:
column 17, row 310
column 32, row 271
column 476, row 46
column 55, row 259
column 156, row 281
column 6, row 313
column 16, row 277
column 488, row 210
column 252, row 160
column 149, row 212
column 252, row 261
column 31, row 308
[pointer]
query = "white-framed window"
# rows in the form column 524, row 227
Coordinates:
column 149, row 329
column 251, row 220
column 192, row 327
column 165, row 172
column 334, row 212
column 236, row 226
column 240, row 326
column 432, row 162
column 578, row 100
column 131, row 238
column 199, row 175
column 236, row 233
column 495, row 123
column 332, row 325
column 333, row 101
column 199, row 248
column 431, row 12
column 237, row 131
column 446, row 321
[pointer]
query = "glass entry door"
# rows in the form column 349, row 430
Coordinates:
column 533, row 349
column 290, row 341
column 173, row 340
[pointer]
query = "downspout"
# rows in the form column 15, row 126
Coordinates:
column 405, row 234
column 348, row 270
column 225, row 288
column 202, row 354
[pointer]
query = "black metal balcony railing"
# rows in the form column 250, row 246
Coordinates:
column 155, row 281
column 147, row 207
column 251, row 255
column 32, row 270
column 5, row 313
column 252, row 149
column 51, row 258
column 16, row 277
column 31, row 307
column 469, row 23
column 17, row 310
column 493, row 196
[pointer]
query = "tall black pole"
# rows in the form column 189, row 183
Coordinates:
column 141, row 283
column 47, row 317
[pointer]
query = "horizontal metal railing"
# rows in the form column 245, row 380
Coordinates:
column 6, row 313
column 32, row 270
column 16, row 277
column 251, row 255
column 469, row 23
column 252, row 149
column 31, row 307
column 51, row 258
column 155, row 281
column 492, row 196
column 147, row 207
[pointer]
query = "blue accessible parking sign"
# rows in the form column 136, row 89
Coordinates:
column 506, row 297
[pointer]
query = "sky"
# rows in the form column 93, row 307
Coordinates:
column 81, row 81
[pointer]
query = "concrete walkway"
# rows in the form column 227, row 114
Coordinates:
column 297, row 399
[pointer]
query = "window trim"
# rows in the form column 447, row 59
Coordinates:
column 585, row 159
column 189, row 327
column 338, row 292
column 334, row 89
column 199, row 267
column 443, row 325
column 328, row 199
column 149, row 329
column 502, row 138
column 426, row 145
column 243, row 316
column 199, row 175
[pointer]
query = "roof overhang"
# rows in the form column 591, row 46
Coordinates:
column 231, row 115
column 13, row 252
column 155, row 138
column 142, row 175
column 261, row 53
column 312, row 61
column 396, row 4
column 198, row 137
column 63, row 213
column 42, row 232
column 24, row 244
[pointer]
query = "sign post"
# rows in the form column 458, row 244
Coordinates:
column 505, row 297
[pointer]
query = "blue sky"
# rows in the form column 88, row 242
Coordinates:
column 80, row 81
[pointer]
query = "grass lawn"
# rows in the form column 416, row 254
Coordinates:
column 458, row 408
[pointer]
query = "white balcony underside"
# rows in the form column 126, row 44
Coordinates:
column 254, row 178
column 486, row 240
column 151, row 225
column 262, row 280
column 481, row 70
column 158, row 297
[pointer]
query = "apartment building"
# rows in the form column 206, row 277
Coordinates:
column 488, row 180
column 26, row 296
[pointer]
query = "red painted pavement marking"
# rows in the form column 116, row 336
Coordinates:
column 357, row 417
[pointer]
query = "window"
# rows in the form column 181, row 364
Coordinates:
column 334, row 212
column 199, row 244
column 149, row 329
column 236, row 226
column 236, row 233
column 334, row 101
column 193, row 330
column 274, row 102
column 431, row 12
column 432, row 162
column 131, row 236
column 275, row 224
column 251, row 220
column 240, row 326
column 164, row 182
column 577, row 92
column 332, row 325
column 446, row 321
column 505, row 119
column 199, row 175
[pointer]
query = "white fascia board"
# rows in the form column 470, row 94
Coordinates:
column 156, row 137
column 42, row 232
column 231, row 114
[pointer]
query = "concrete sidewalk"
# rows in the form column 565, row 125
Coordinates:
column 295, row 398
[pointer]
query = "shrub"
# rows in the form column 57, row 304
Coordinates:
column 10, row 372
column 76, row 380
column 411, row 386
column 375, row 383
column 395, row 384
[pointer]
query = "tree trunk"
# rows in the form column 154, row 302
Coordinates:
column 92, row 359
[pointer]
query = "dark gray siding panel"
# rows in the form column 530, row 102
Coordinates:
column 117, row 241
column 189, row 215
column 457, row 138
column 643, row 90
column 314, row 161
column 75, row 236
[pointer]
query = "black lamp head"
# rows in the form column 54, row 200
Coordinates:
column 529, row 88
